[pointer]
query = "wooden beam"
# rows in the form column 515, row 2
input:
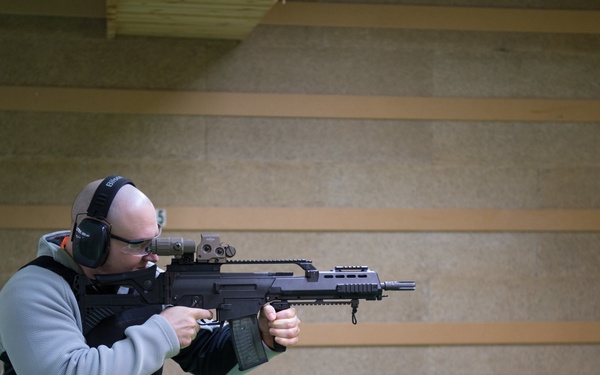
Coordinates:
column 434, row 18
column 358, row 219
column 453, row 333
column 229, row 19
column 331, row 219
column 58, row 99
column 35, row 217
column 111, row 18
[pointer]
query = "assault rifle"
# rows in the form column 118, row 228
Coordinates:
column 194, row 279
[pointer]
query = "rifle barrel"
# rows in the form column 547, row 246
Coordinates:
column 398, row 285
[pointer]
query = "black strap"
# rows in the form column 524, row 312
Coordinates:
column 49, row 263
column 8, row 369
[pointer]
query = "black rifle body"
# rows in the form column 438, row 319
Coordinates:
column 237, row 297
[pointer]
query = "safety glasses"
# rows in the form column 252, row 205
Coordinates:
column 141, row 247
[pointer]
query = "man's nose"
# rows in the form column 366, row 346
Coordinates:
column 151, row 257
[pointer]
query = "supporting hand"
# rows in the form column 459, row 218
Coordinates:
column 282, row 326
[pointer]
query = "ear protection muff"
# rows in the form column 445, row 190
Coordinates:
column 92, row 235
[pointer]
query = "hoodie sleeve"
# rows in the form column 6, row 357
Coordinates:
column 40, row 329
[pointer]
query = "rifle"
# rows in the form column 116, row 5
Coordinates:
column 194, row 279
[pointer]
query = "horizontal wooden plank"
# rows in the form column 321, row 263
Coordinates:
column 350, row 219
column 237, row 9
column 35, row 217
column 183, row 21
column 216, row 3
column 58, row 99
column 434, row 18
column 458, row 333
column 330, row 219
column 189, row 19
column 199, row 19
column 192, row 29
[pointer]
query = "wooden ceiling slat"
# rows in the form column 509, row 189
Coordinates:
column 228, row 19
column 183, row 20
column 182, row 31
column 232, row 11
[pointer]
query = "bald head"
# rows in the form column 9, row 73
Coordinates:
column 128, row 206
column 83, row 199
column 126, row 214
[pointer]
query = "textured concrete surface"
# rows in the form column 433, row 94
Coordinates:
column 46, row 158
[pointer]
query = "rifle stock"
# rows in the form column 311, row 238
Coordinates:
column 194, row 279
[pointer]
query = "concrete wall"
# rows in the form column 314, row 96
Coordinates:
column 204, row 161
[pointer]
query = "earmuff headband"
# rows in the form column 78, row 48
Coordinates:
column 104, row 195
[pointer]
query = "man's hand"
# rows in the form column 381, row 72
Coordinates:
column 184, row 321
column 283, row 326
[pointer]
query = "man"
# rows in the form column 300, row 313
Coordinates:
column 113, row 226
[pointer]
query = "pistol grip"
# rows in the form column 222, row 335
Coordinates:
column 247, row 342
column 280, row 305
